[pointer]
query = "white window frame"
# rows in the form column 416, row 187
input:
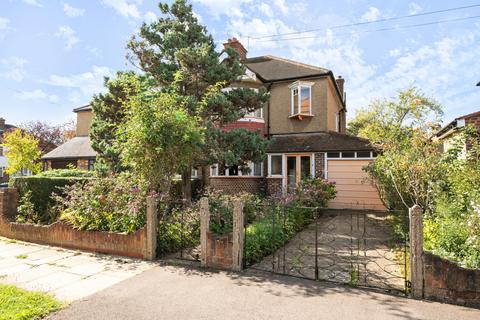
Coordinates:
column 298, row 85
column 251, row 165
column 270, row 164
column 356, row 157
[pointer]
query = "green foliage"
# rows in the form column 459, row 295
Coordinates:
column 160, row 139
column 37, row 191
column 315, row 192
column 65, row 173
column 22, row 151
column 116, row 203
column 19, row 304
column 109, row 111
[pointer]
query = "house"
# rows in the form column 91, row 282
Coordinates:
column 305, row 120
column 449, row 134
column 76, row 152
column 4, row 127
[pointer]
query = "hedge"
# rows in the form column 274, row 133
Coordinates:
column 41, row 190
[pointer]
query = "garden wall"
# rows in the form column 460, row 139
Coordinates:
column 233, row 185
column 61, row 234
column 446, row 281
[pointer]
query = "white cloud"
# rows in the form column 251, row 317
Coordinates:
column 36, row 95
column 13, row 68
column 266, row 9
column 97, row 53
column 72, row 12
column 68, row 34
column 87, row 83
column 414, row 8
column 224, row 7
column 371, row 14
column 33, row 3
column 149, row 17
column 394, row 52
column 127, row 9
column 281, row 5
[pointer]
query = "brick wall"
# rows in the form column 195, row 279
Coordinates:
column 473, row 120
column 273, row 185
column 446, row 281
column 320, row 165
column 232, row 185
column 63, row 235
column 220, row 251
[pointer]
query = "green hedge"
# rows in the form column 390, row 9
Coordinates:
column 66, row 173
column 41, row 189
column 268, row 234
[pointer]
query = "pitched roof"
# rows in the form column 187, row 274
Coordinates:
column 452, row 125
column 271, row 68
column 319, row 142
column 83, row 108
column 75, row 148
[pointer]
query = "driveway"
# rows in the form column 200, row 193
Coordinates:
column 67, row 274
column 179, row 292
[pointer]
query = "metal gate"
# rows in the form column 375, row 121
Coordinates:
column 357, row 248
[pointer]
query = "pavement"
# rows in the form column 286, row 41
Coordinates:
column 182, row 292
column 68, row 275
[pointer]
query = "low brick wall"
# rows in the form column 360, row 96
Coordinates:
column 446, row 281
column 233, row 185
column 63, row 235
column 274, row 185
column 219, row 252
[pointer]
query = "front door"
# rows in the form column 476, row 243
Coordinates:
column 298, row 166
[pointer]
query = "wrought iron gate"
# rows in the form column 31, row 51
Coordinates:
column 358, row 248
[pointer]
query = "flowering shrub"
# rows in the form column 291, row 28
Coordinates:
column 315, row 192
column 115, row 203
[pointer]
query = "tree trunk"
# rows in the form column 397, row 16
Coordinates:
column 187, row 187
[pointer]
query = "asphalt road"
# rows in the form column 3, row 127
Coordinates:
column 179, row 292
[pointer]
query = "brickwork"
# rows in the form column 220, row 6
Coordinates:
column 446, row 281
column 320, row 165
column 475, row 120
column 233, row 185
column 273, row 185
column 219, row 252
column 63, row 235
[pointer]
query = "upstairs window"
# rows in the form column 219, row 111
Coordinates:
column 301, row 98
column 258, row 113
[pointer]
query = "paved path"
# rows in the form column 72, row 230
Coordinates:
column 345, row 242
column 67, row 274
column 176, row 292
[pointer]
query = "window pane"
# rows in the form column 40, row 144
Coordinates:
column 305, row 166
column 333, row 155
column 276, row 165
column 291, row 171
column 233, row 171
column 295, row 101
column 305, row 98
column 257, row 169
column 258, row 113
column 363, row 154
column 348, row 154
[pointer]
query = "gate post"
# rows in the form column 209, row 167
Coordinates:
column 416, row 250
column 204, row 226
column 238, row 235
column 152, row 224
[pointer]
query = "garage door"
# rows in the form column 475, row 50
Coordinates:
column 354, row 190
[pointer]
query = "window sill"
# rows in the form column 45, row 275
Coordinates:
column 301, row 116
column 238, row 177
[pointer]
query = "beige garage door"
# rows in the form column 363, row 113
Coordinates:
column 354, row 191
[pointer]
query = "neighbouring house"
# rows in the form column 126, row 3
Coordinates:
column 306, row 121
column 4, row 127
column 76, row 152
column 449, row 134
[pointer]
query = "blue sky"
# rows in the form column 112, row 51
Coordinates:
column 55, row 53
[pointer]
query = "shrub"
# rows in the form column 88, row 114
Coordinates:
column 40, row 190
column 315, row 192
column 116, row 204
column 66, row 173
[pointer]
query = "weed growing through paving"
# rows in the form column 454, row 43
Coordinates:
column 22, row 256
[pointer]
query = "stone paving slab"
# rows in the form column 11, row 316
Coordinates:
column 67, row 274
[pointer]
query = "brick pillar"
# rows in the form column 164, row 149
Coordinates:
column 8, row 203
column 238, row 235
column 416, row 251
column 204, row 226
column 152, row 224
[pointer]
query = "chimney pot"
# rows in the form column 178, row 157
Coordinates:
column 237, row 46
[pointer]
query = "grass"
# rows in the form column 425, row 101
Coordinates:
column 22, row 256
column 20, row 304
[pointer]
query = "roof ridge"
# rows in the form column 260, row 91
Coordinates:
column 297, row 63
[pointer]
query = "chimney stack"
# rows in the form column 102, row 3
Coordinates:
column 237, row 46
column 2, row 124
column 340, row 84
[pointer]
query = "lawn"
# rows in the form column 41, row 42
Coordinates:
column 19, row 304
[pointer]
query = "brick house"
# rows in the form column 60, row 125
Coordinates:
column 306, row 121
column 449, row 133
column 4, row 127
column 76, row 152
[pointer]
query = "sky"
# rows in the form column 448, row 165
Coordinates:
column 54, row 54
